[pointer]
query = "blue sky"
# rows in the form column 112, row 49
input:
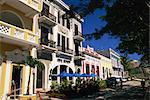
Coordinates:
column 90, row 23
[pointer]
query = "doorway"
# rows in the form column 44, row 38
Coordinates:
column 17, row 78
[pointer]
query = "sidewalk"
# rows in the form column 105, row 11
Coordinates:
column 131, row 90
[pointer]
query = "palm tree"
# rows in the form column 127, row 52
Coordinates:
column 125, row 62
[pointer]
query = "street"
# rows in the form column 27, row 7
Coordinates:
column 131, row 90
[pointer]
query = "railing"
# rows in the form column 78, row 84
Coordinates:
column 16, row 32
column 14, row 92
column 66, row 50
column 78, row 34
column 49, row 43
column 49, row 15
column 36, row 4
column 69, row 51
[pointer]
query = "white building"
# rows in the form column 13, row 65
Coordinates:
column 61, row 39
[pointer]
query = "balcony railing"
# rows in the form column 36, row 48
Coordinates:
column 49, row 15
column 16, row 33
column 78, row 35
column 49, row 43
column 66, row 50
column 79, row 54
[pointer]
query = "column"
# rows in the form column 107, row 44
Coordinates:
column 67, row 72
column 5, row 79
column 58, row 72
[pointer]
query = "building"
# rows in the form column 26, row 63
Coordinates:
column 91, row 64
column 117, row 67
column 106, row 67
column 61, row 40
column 18, row 38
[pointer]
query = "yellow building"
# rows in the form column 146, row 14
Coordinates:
column 106, row 67
column 18, row 37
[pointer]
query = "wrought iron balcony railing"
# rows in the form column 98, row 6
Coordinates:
column 49, row 15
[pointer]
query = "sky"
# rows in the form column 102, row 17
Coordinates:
column 88, row 26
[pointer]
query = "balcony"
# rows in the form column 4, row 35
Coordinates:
column 47, row 18
column 66, row 50
column 29, row 7
column 79, row 56
column 78, row 36
column 13, row 34
column 49, row 45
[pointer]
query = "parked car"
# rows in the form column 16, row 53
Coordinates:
column 112, row 81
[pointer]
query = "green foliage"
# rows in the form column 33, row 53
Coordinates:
column 54, row 86
column 102, row 84
column 79, row 89
column 33, row 62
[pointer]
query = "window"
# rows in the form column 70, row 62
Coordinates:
column 87, row 69
column 63, row 43
column 51, row 30
column 97, row 71
column 93, row 69
column 45, row 10
column 59, row 17
column 103, row 73
column 58, row 40
column 63, row 20
column 68, row 23
column 76, row 29
column 67, row 43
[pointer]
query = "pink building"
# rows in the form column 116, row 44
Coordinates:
column 91, row 64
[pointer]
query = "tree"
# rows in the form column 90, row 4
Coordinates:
column 33, row 62
column 126, row 19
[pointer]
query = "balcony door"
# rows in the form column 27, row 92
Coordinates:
column 63, row 43
column 76, row 29
column 44, row 35
column 76, row 49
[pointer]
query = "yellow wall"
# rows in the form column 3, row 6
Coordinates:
column 2, row 81
column 106, row 63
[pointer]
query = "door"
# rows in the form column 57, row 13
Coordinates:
column 39, row 79
column 17, row 78
column 44, row 35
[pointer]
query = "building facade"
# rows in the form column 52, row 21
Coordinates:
column 18, row 38
column 61, row 40
column 117, row 67
column 106, row 67
column 91, row 64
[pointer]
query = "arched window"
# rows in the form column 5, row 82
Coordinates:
column 11, row 18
